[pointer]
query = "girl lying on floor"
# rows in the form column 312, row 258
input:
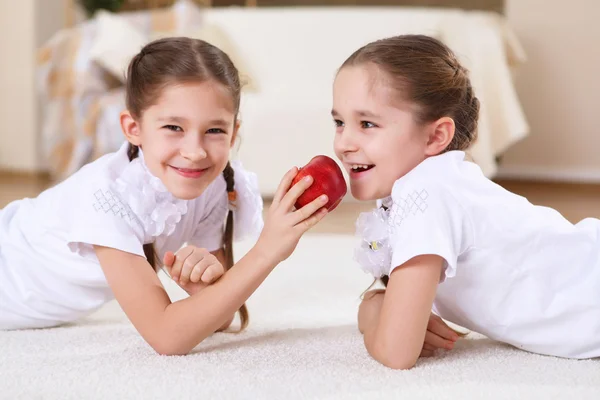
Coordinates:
column 444, row 237
column 102, row 233
column 161, row 200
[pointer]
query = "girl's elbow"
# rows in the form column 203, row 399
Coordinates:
column 395, row 358
column 399, row 363
column 226, row 325
column 168, row 345
column 169, row 348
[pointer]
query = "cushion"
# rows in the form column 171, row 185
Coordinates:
column 117, row 41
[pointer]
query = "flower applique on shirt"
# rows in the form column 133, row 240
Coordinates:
column 374, row 229
column 374, row 252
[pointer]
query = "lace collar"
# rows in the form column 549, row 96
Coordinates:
column 155, row 207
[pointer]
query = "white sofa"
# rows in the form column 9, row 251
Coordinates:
column 289, row 118
column 291, row 56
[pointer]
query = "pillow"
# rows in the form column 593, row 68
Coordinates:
column 116, row 42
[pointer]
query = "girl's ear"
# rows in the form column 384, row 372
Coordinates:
column 236, row 128
column 131, row 128
column 440, row 136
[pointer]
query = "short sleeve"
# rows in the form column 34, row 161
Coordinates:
column 208, row 233
column 98, row 216
column 426, row 219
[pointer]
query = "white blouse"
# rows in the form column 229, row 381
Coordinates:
column 513, row 271
column 49, row 273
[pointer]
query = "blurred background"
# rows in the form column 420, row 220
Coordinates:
column 534, row 66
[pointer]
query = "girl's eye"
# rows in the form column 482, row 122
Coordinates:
column 338, row 123
column 215, row 130
column 367, row 124
column 173, row 128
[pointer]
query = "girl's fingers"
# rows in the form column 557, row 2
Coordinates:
column 427, row 353
column 169, row 259
column 212, row 273
column 305, row 225
column 308, row 210
column 180, row 258
column 200, row 258
column 439, row 327
column 188, row 266
column 201, row 267
column 289, row 198
column 437, row 341
column 427, row 346
column 196, row 273
column 284, row 186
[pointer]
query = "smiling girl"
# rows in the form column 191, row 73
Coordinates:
column 168, row 196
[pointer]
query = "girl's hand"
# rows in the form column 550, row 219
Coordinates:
column 438, row 335
column 284, row 226
column 193, row 268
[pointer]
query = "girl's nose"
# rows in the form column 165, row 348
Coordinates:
column 194, row 153
column 346, row 142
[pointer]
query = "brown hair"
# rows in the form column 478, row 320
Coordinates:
column 178, row 60
column 426, row 73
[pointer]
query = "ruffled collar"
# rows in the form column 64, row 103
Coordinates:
column 155, row 207
column 374, row 252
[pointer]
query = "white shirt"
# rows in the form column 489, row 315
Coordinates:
column 49, row 273
column 515, row 272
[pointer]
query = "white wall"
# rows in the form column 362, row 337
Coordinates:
column 560, row 89
column 24, row 25
column 17, row 102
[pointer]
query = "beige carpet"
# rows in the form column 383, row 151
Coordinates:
column 302, row 343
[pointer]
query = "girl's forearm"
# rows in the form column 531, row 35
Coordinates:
column 399, row 334
column 368, row 320
column 368, row 312
column 176, row 328
column 188, row 322
column 369, row 338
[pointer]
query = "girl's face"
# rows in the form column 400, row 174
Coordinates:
column 186, row 136
column 378, row 141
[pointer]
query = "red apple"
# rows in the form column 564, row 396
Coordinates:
column 327, row 179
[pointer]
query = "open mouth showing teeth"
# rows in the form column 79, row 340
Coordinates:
column 361, row 167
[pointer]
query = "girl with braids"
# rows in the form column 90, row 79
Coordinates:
column 168, row 198
column 444, row 238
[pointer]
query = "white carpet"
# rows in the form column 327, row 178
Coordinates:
column 302, row 343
